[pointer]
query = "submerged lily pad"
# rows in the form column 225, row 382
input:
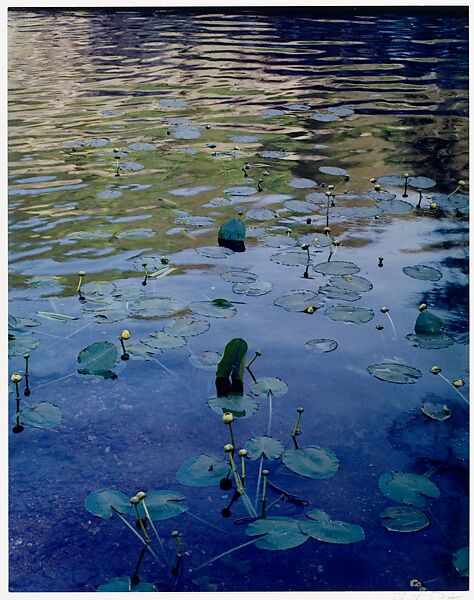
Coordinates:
column 266, row 385
column 42, row 415
column 438, row 412
column 299, row 301
column 240, row 406
column 336, row 267
column 333, row 171
column 349, row 314
column 100, row 503
column 408, row 488
column 461, row 561
column 320, row 527
column 431, row 342
column 255, row 288
column 124, row 584
column 404, row 519
column 202, row 471
column 98, row 359
column 207, row 360
column 187, row 327
column 311, row 461
column 215, row 252
column 214, row 309
column 161, row 340
column 163, row 504
column 394, row 372
column 239, row 276
column 270, row 447
column 302, row 183
column 423, row 272
column 321, row 344
column 277, row 533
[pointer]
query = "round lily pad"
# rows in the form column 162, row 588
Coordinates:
column 202, row 470
column 163, row 504
column 341, row 111
column 393, row 206
column 21, row 324
column 423, row 183
column 240, row 406
column 260, row 214
column 187, row 327
column 207, row 360
column 215, row 251
column 291, row 258
column 336, row 293
column 255, row 288
column 214, row 309
column 245, row 139
column 142, row 232
column 352, row 283
column 42, row 415
column 239, row 276
column 391, row 180
column 98, row 288
column 333, row 171
column 278, row 241
column 124, row 584
column 274, row 153
column 277, row 533
column 298, row 301
column 161, row 340
column 403, row 519
column 423, row 272
column 194, row 221
column 324, row 118
column 22, row 343
column 438, row 412
column 394, row 372
column 97, row 359
column 381, row 195
column 300, row 207
column 302, row 183
column 100, row 503
column 320, row 527
column 321, row 345
column 311, row 461
column 266, row 385
column 431, row 342
column 461, row 561
column 185, row 132
column 141, row 147
column 336, row 267
column 408, row 488
column 349, row 314
column 452, row 202
column 240, row 190
column 154, row 307
column 270, row 447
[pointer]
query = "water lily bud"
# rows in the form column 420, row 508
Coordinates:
column 243, row 452
column 337, row 242
column 377, row 187
column 16, row 378
column 208, row 126
column 174, row 534
column 82, row 273
column 458, row 383
column 141, row 495
column 265, row 173
column 304, row 246
column 423, row 306
column 433, row 205
column 26, row 355
column 327, row 230
column 435, row 370
column 309, row 310
column 228, row 448
column 258, row 352
column 300, row 410
column 308, row 221
column 125, row 335
column 134, row 500
column 164, row 260
column 116, row 150
column 461, row 182
column 372, row 180
column 330, row 186
column 384, row 309
column 379, row 327
column 265, row 473
column 328, row 194
column 416, row 583
column 227, row 417
column 406, row 175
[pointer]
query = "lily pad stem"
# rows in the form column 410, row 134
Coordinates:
column 226, row 553
column 153, row 553
column 142, row 527
column 455, row 389
column 145, row 508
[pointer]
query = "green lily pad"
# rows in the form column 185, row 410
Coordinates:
column 260, row 214
column 461, row 561
column 213, row 309
column 336, row 267
column 161, row 340
column 255, row 288
column 278, row 241
column 20, row 324
column 277, row 533
column 207, row 360
column 336, row 293
column 404, row 519
column 215, row 252
column 321, row 345
column 98, row 359
column 187, row 327
column 311, row 461
column 351, row 283
column 438, row 412
column 393, row 206
column 202, row 471
column 239, row 277
column 163, row 504
column 299, row 301
column 154, row 307
column 233, row 359
column 320, row 527
column 427, row 323
column 124, row 584
column 233, row 230
column 302, row 183
column 423, row 272
column 98, row 288
column 349, row 314
column 408, row 488
column 394, row 372
column 291, row 258
column 333, row 171
column 432, row 342
column 20, row 344
column 266, row 385
column 423, row 183
column 100, row 503
column 240, row 406
column 452, row 202
column 42, row 415
column 300, row 207
column 270, row 447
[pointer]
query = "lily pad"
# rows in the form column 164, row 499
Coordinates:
column 352, row 283
column 291, row 258
column 334, row 171
column 461, row 561
column 336, row 293
column 349, row 314
column 192, row 191
column 408, row 488
column 452, row 202
column 56, row 316
column 431, row 342
column 342, row 111
column 428, row 324
column 277, row 533
column 98, row 288
column 245, row 139
column 240, row 406
column 240, row 190
column 299, row 207
column 130, row 166
column 185, row 132
column 202, row 471
column 394, row 372
column 232, row 361
column 207, row 360
column 266, row 385
column 42, row 415
column 163, row 504
column 161, row 340
column 154, row 307
column 302, row 183
column 124, row 584
column 324, row 118
column 336, row 267
column 141, row 147
column 320, row 527
column 438, row 412
column 423, row 183
column 391, row 180
column 321, row 345
column 278, row 241
column 260, row 214
column 214, row 309
column 381, row 195
column 319, row 240
column 255, row 288
column 281, row 154
column 423, row 272
column 22, row 343
column 393, row 206
column 187, row 327
column 299, row 301
column 404, row 519
column 215, row 252
column 100, row 503
column 239, row 276
column 194, row 221
column 270, row 447
column 139, row 351
column 98, row 359
column 311, row 461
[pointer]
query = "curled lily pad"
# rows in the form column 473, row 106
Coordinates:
column 266, row 385
column 124, row 584
column 336, row 267
column 232, row 362
column 215, row 252
column 264, row 445
column 292, row 258
column 336, row 293
column 320, row 527
column 187, row 327
column 349, row 314
column 153, row 307
column 240, row 190
column 428, row 324
column 163, row 504
column 260, row 214
column 300, row 207
column 100, row 503
column 321, row 344
column 431, row 342
column 161, row 340
column 333, row 171
column 202, row 470
column 461, row 561
column 423, row 272
column 394, row 372
column 56, row 316
column 207, row 360
column 408, row 488
column 299, row 301
column 239, row 276
column 277, row 533
column 452, row 201
column 242, row 406
column 130, row 166
column 311, row 461
column 98, row 359
column 278, row 241
column 438, row 412
column 42, row 415
column 302, row 183
column 403, row 519
column 214, row 308
column 255, row 288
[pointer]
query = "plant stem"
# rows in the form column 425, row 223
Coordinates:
column 153, row 553
column 206, row 522
column 145, row 508
column 219, row 556
column 393, row 327
column 257, row 492
column 455, row 388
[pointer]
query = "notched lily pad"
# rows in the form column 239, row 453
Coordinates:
column 408, row 488
column 423, row 272
column 242, row 406
column 215, row 252
column 291, row 258
column 300, row 207
column 438, row 412
column 207, row 360
column 452, row 202
column 311, row 461
column 336, row 267
column 187, row 327
column 404, row 519
column 302, row 183
column 161, row 340
column 299, row 301
column 266, row 385
column 336, row 293
column 320, row 527
column 352, row 283
column 394, row 372
column 255, row 288
column 203, row 470
column 218, row 308
column 431, row 342
column 321, row 345
column 239, row 276
column 277, row 533
column 270, row 447
column 152, row 307
column 240, row 190
column 260, row 214
column 163, row 504
column 42, row 415
column 349, row 314
column 21, row 343
column 278, row 241
column 100, row 503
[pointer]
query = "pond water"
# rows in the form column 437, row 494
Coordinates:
column 129, row 138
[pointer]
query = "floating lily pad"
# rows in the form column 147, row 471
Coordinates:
column 43, row 280
column 207, row 360
column 202, row 471
column 391, row 180
column 187, row 327
column 192, row 191
column 173, row 103
column 21, row 343
column 278, row 241
column 461, row 561
column 352, row 283
column 98, row 359
column 163, row 504
column 334, row 171
column 234, row 230
column 130, row 166
column 423, row 272
column 423, row 183
column 324, row 117
column 299, row 301
column 277, row 533
column 342, row 111
column 195, row 221
column 161, row 340
column 100, row 503
column 270, row 447
column 302, row 183
column 109, row 194
column 408, row 488
column 438, row 412
column 299, row 207
column 111, row 313
column 381, row 195
column 239, row 276
column 154, row 307
column 214, row 308
column 266, row 385
column 452, row 202
column 240, row 190
column 319, row 198
column 215, row 252
column 431, row 342
column 393, row 206
column 311, row 461
column 404, row 519
column 320, row 527
column 43, row 415
column 245, row 139
column 336, row 293
column 260, row 214
column 124, row 584
column 141, row 147
column 240, row 406
column 98, row 288
column 140, row 351
column 218, row 202
column 274, row 153
column 254, row 288
column 336, row 267
column 291, row 258
column 349, row 314
column 321, row 345
column 319, row 240
column 185, row 132
column 394, row 372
